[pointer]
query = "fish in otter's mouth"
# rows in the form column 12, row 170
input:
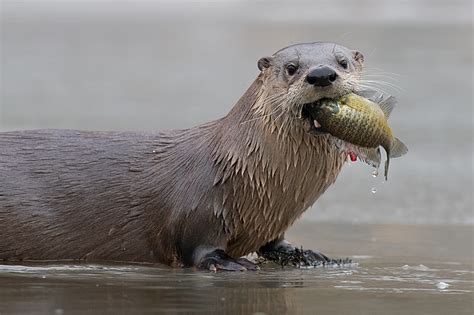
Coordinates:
column 359, row 123
column 309, row 113
column 310, row 110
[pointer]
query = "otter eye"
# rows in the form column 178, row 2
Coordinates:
column 343, row 63
column 291, row 69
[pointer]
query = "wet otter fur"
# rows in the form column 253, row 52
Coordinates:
column 202, row 197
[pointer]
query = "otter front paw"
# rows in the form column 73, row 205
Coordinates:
column 316, row 258
column 219, row 260
column 295, row 256
column 301, row 258
column 310, row 257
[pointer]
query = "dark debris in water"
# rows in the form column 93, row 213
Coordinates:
column 299, row 258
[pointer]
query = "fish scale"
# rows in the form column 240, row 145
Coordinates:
column 355, row 128
column 361, row 123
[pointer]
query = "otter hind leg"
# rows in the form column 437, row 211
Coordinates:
column 218, row 259
column 284, row 253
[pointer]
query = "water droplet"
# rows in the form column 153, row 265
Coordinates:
column 375, row 173
column 442, row 285
column 374, row 190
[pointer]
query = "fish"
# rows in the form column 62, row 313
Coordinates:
column 361, row 123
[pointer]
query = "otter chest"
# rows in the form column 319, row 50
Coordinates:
column 278, row 194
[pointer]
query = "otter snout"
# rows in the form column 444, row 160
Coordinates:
column 321, row 76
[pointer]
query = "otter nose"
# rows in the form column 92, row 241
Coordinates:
column 321, row 76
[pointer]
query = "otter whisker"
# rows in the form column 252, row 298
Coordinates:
column 276, row 100
column 384, row 75
column 284, row 110
column 383, row 84
column 377, row 74
column 369, row 87
column 357, row 86
column 378, row 70
column 379, row 77
column 263, row 116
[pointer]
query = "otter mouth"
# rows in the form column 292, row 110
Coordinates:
column 308, row 113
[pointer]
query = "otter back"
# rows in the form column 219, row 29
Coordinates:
column 70, row 194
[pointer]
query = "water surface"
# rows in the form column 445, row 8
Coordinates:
column 399, row 269
column 143, row 65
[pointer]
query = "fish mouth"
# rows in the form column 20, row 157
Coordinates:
column 309, row 110
column 308, row 113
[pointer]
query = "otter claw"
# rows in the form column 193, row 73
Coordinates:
column 311, row 257
column 219, row 260
column 316, row 258
column 248, row 264
column 301, row 258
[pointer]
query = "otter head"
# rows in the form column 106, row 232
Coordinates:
column 299, row 75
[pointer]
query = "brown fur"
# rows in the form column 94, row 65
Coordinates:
column 268, row 176
column 236, row 183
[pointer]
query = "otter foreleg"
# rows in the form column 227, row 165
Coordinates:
column 283, row 252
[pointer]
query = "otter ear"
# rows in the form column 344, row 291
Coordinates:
column 264, row 63
column 358, row 56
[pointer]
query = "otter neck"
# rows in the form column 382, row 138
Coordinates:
column 268, row 170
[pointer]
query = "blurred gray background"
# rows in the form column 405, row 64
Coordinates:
column 152, row 65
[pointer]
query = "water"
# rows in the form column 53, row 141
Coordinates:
column 399, row 270
column 442, row 285
column 127, row 289
column 146, row 65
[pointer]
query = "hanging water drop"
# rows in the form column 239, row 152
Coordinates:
column 375, row 173
column 374, row 190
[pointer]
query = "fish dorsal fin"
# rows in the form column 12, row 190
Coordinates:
column 372, row 95
column 387, row 105
column 398, row 148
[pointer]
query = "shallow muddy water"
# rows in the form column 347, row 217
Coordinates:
column 398, row 270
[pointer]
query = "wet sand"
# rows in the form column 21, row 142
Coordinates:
column 399, row 269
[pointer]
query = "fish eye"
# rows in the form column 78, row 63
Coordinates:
column 343, row 63
column 291, row 69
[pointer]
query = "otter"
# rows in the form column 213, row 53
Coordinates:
column 200, row 197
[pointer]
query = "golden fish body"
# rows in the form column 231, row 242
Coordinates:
column 356, row 120
column 362, row 123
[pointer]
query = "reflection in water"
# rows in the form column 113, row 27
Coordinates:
column 271, row 290
column 397, row 267
column 120, row 67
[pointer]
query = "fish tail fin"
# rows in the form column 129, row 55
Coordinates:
column 398, row 148
column 386, row 167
